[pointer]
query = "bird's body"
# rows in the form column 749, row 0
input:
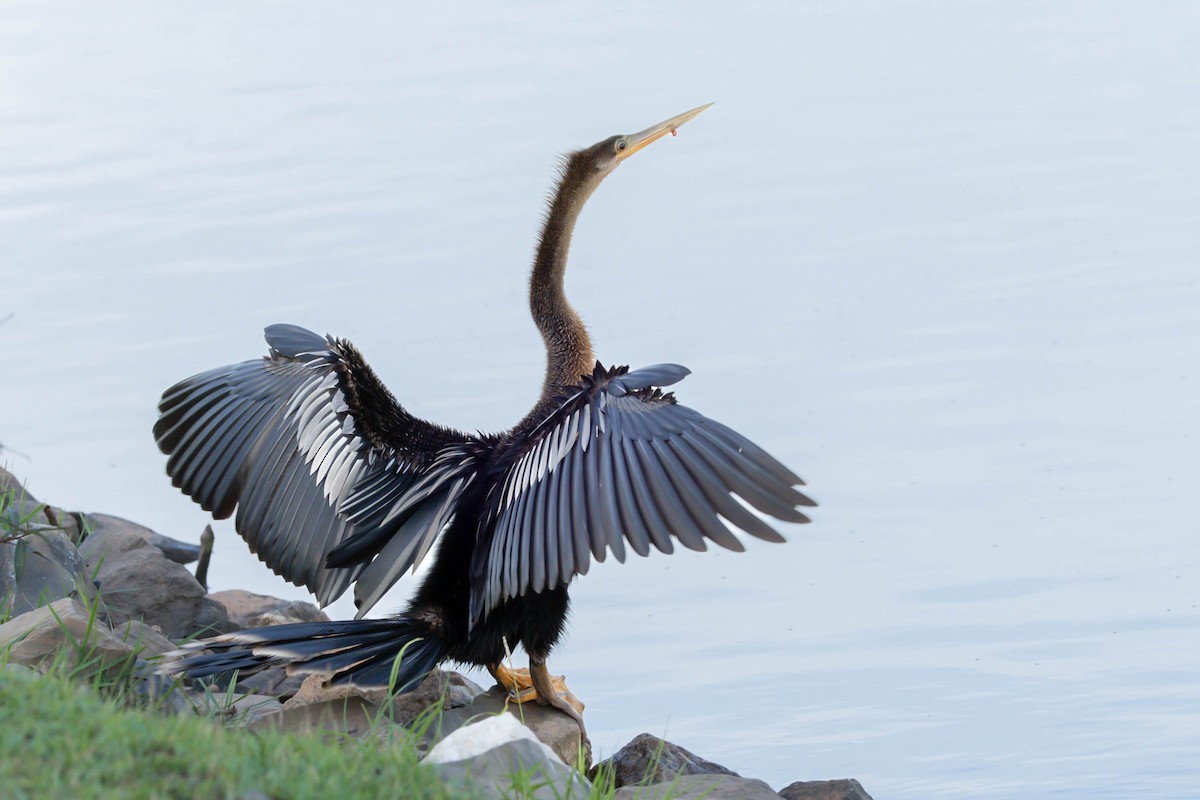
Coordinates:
column 334, row 484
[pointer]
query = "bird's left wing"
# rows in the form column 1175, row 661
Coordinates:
column 619, row 463
column 333, row 481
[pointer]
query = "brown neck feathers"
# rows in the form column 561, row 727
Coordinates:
column 568, row 349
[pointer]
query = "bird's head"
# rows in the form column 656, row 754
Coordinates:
column 596, row 162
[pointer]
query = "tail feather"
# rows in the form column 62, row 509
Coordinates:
column 362, row 652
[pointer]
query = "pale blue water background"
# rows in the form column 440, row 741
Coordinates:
column 940, row 258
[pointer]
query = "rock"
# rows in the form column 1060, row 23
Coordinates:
column 39, row 568
column 315, row 689
column 145, row 639
column 359, row 711
column 22, row 502
column 460, row 690
column 351, row 715
column 695, row 787
column 249, row 610
column 241, row 709
column 440, row 690
column 18, row 671
column 39, row 564
column 842, row 789
column 137, row 581
column 274, row 682
column 161, row 692
column 648, row 760
column 551, row 726
column 502, row 758
column 38, row 637
column 69, row 522
column 210, row 618
column 173, row 549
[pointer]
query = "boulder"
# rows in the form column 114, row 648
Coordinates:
column 363, row 710
column 22, row 503
column 250, row 610
column 648, row 760
column 147, row 640
column 173, row 549
column 241, row 709
column 38, row 560
column 38, row 568
column 442, row 690
column 275, row 682
column 69, row 522
column 551, row 726
column 139, row 582
column 350, row 716
column 160, row 692
column 37, row 638
column 18, row 671
column 841, row 789
column 501, row 758
column 698, row 787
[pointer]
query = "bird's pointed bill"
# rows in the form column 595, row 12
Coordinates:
column 655, row 132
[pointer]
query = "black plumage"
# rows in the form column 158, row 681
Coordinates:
column 335, row 484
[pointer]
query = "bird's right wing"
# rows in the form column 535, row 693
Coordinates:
column 313, row 452
column 619, row 463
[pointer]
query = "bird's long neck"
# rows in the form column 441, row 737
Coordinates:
column 568, row 349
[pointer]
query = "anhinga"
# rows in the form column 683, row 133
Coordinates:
column 335, row 484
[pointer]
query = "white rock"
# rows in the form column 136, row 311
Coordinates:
column 476, row 739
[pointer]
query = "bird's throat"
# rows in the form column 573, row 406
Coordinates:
column 568, row 348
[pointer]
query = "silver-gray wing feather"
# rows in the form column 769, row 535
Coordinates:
column 620, row 464
column 313, row 453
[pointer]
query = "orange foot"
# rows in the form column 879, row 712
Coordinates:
column 520, row 687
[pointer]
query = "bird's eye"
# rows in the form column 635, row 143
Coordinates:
column 621, row 145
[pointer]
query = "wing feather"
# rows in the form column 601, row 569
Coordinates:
column 297, row 444
column 616, row 464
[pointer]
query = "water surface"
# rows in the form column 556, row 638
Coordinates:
column 941, row 259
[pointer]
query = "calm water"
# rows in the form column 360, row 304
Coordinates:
column 940, row 259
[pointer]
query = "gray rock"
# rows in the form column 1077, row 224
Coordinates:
column 500, row 758
column 440, row 691
column 364, row 712
column 161, row 692
column 210, row 618
column 173, row 549
column 39, row 563
column 240, row 709
column 250, row 610
column 21, row 501
column 147, row 640
column 648, row 760
column 841, row 789
column 254, row 794
column 557, row 730
column 69, row 522
column 39, row 568
column 18, row 671
column 137, row 581
column 274, row 682
column 351, row 715
column 695, row 787
column 65, row 632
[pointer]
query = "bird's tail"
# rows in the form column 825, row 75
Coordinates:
column 394, row 652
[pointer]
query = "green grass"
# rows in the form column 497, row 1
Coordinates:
column 63, row 739
column 82, row 731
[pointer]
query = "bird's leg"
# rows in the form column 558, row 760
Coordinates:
column 552, row 691
column 517, row 681
column 523, row 686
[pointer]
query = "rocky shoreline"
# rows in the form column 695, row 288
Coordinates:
column 57, row 567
